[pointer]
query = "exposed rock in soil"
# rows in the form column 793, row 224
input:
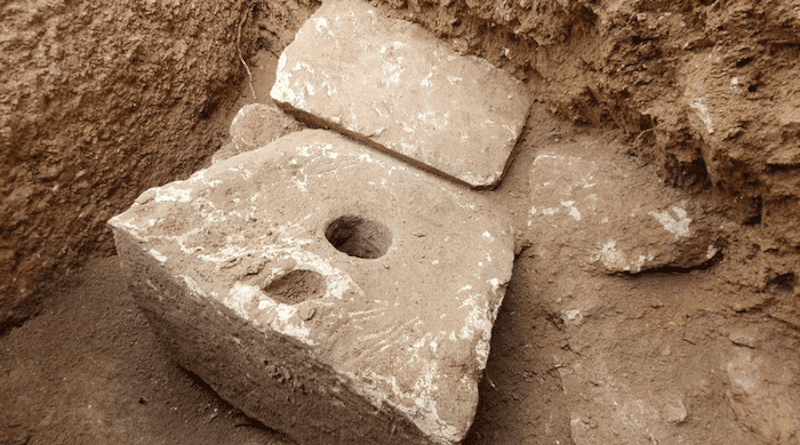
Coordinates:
column 706, row 90
column 601, row 208
column 255, row 126
column 764, row 387
column 100, row 101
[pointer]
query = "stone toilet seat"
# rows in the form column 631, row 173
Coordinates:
column 327, row 289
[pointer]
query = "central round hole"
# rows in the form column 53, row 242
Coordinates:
column 359, row 237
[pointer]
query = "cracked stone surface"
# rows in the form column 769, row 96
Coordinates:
column 596, row 208
column 327, row 289
column 389, row 83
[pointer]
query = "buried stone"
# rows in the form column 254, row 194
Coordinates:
column 307, row 283
column 615, row 216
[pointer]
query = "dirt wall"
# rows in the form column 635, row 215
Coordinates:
column 99, row 101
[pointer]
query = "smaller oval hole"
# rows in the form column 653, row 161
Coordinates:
column 296, row 287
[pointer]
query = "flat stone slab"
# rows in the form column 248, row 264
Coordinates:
column 614, row 216
column 393, row 85
column 327, row 289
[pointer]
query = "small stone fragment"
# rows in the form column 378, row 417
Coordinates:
column 255, row 126
column 390, row 83
column 745, row 336
column 614, row 215
column 674, row 412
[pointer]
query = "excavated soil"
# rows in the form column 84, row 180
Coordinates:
column 100, row 101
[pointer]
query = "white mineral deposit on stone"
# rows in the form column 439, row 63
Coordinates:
column 678, row 227
column 478, row 326
column 132, row 229
column 173, row 194
column 573, row 211
column 180, row 240
column 301, row 185
column 573, row 315
column 703, row 114
column 546, row 157
column 423, row 411
column 226, row 255
column 280, row 317
column 239, row 295
column 281, row 89
column 391, row 71
column 285, row 319
column 192, row 285
column 321, row 25
column 474, row 178
column 611, row 257
column 426, row 81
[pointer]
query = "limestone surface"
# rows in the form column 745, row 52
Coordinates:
column 391, row 84
column 596, row 208
column 761, row 388
column 254, row 126
column 327, row 289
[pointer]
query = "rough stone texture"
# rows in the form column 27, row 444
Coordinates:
column 254, row 126
column 636, row 386
column 236, row 269
column 99, row 100
column 764, row 390
column 619, row 411
column 595, row 206
column 390, row 83
column 634, row 64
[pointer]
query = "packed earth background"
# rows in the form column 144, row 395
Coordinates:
column 101, row 100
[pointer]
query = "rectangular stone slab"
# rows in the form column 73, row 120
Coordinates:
column 390, row 83
column 328, row 290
